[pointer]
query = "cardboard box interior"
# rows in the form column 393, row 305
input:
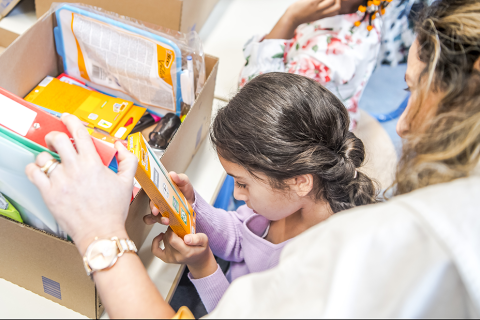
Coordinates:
column 181, row 15
column 7, row 37
column 40, row 262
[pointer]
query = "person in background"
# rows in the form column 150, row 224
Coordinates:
column 325, row 40
column 415, row 256
column 295, row 163
column 398, row 32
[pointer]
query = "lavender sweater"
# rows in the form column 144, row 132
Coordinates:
column 235, row 236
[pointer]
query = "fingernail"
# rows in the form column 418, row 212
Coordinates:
column 187, row 239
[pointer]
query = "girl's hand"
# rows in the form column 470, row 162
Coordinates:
column 303, row 11
column 86, row 198
column 193, row 251
column 185, row 186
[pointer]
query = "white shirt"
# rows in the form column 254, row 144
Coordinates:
column 416, row 256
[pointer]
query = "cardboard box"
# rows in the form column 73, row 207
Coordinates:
column 180, row 15
column 7, row 37
column 44, row 264
column 6, row 6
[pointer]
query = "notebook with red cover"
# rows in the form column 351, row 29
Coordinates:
column 28, row 121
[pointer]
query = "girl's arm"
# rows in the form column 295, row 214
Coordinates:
column 194, row 251
column 223, row 228
column 211, row 289
column 301, row 12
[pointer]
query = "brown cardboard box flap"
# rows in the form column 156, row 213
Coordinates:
column 30, row 259
column 180, row 15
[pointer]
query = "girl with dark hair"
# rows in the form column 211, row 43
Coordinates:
column 285, row 140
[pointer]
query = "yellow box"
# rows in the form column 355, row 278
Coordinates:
column 155, row 180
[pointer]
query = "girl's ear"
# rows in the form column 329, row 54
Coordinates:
column 302, row 185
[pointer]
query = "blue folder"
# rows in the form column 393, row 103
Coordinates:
column 178, row 54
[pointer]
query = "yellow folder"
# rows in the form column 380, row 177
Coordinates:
column 113, row 115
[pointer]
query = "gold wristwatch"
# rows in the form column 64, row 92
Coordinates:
column 103, row 254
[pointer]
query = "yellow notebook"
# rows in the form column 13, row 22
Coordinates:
column 114, row 115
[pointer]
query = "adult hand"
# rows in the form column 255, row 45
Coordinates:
column 303, row 11
column 86, row 198
column 193, row 251
column 183, row 183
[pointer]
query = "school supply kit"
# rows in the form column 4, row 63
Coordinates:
column 114, row 70
column 155, row 180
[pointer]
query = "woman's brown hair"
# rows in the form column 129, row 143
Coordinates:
column 448, row 147
column 285, row 125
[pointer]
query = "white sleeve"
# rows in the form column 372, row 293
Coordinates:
column 262, row 56
column 375, row 261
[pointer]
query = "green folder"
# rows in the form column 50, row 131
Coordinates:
column 11, row 212
column 25, row 143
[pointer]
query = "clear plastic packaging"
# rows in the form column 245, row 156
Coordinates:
column 102, row 38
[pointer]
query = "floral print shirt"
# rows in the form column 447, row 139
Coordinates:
column 331, row 51
column 398, row 30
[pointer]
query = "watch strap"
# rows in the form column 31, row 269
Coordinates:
column 123, row 246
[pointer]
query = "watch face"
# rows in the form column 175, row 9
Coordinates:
column 102, row 254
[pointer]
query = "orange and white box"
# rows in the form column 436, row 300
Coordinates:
column 155, row 180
